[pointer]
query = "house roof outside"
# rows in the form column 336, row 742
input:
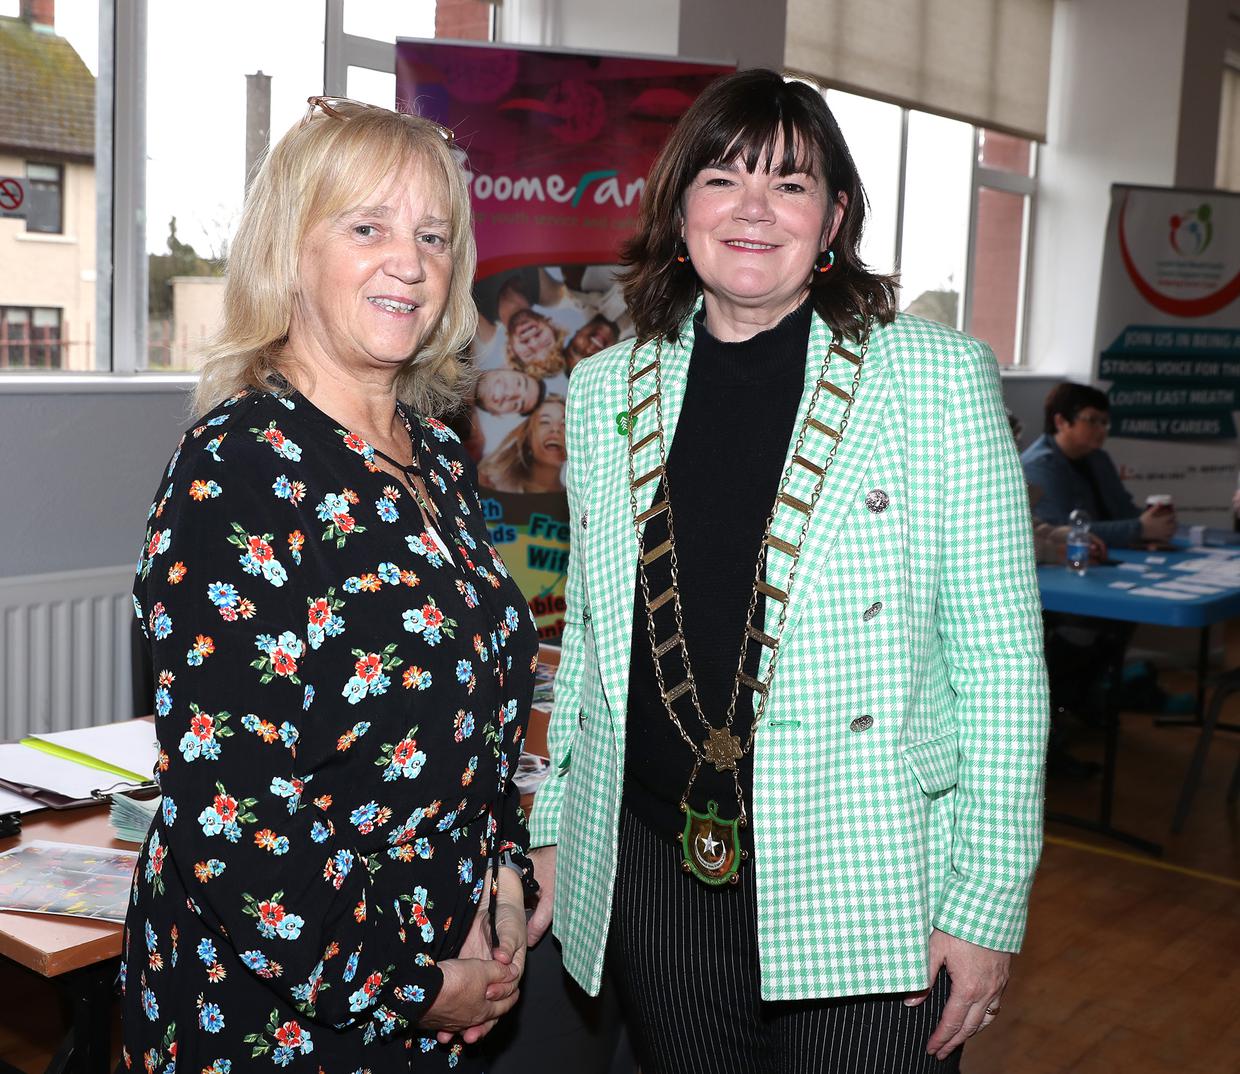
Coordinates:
column 47, row 95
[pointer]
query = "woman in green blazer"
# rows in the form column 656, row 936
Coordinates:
column 796, row 793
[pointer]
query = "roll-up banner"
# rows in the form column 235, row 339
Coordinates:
column 558, row 144
column 1168, row 345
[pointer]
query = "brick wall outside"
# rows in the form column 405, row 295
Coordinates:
column 464, row 20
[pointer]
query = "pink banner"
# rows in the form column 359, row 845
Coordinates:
column 558, row 147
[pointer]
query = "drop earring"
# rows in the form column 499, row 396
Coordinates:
column 822, row 265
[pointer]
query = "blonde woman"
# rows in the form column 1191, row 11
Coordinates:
column 531, row 457
column 343, row 664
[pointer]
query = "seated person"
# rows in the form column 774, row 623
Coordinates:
column 1072, row 471
column 1067, row 469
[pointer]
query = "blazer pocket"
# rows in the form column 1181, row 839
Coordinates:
column 936, row 763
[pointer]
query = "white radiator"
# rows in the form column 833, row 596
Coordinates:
column 65, row 650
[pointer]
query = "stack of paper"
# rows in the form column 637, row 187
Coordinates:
column 131, row 817
column 65, row 768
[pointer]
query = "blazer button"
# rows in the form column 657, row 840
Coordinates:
column 877, row 500
column 585, row 614
column 585, row 517
column 872, row 611
column 861, row 723
column 581, row 717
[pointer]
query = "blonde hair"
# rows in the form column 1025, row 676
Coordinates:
column 317, row 170
column 507, row 469
column 549, row 364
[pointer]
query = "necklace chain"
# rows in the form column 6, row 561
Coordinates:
column 722, row 748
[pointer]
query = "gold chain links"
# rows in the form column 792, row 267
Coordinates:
column 677, row 640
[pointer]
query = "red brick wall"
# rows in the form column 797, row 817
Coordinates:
column 465, row 20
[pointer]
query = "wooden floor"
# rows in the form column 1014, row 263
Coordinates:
column 1131, row 965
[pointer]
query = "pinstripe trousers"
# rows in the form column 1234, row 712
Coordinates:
column 685, row 959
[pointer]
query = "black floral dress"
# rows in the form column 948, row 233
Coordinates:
column 340, row 708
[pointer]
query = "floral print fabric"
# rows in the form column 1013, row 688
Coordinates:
column 339, row 707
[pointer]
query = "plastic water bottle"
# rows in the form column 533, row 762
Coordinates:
column 1078, row 541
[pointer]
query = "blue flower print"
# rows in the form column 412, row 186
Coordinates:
column 222, row 594
column 169, row 809
column 387, row 510
column 161, row 622
column 364, row 816
column 319, row 832
column 290, row 927
column 206, row 952
column 389, row 573
column 255, row 960
column 410, row 994
column 163, row 701
column 464, row 671
column 350, row 968
column 152, row 940
column 150, row 1006
column 210, row 1018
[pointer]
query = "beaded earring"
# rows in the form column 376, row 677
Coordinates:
column 820, row 266
column 682, row 252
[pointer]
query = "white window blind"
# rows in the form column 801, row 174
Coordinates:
column 984, row 61
column 1227, row 166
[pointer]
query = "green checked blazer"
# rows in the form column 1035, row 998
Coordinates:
column 898, row 773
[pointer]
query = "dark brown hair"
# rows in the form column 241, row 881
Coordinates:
column 742, row 117
column 1068, row 400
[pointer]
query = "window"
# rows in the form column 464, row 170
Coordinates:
column 1003, row 187
column 951, row 210
column 126, row 275
column 44, row 198
column 48, row 256
column 29, row 337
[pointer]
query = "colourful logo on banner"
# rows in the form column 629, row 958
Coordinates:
column 1192, row 231
column 1185, row 286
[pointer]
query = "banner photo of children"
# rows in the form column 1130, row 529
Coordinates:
column 557, row 145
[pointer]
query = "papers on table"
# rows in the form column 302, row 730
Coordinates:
column 65, row 768
column 1165, row 594
column 11, row 802
column 1209, row 572
column 63, row 878
column 128, row 749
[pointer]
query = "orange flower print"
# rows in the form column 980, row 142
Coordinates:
column 176, row 573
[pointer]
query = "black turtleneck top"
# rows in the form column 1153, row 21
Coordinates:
column 723, row 469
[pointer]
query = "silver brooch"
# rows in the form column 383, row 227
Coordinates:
column 872, row 610
column 861, row 723
column 877, row 500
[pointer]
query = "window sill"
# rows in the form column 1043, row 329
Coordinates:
column 56, row 238
column 17, row 383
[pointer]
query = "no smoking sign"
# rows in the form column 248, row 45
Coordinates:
column 12, row 195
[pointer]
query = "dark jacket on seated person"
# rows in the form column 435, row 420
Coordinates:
column 1091, row 483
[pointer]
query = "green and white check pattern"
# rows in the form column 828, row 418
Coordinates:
column 931, row 815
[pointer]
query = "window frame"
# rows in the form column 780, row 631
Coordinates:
column 982, row 176
column 1007, row 182
column 31, row 341
column 59, row 168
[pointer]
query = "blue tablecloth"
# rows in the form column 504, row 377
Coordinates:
column 1094, row 593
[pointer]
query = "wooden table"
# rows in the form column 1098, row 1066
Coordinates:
column 80, row 957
